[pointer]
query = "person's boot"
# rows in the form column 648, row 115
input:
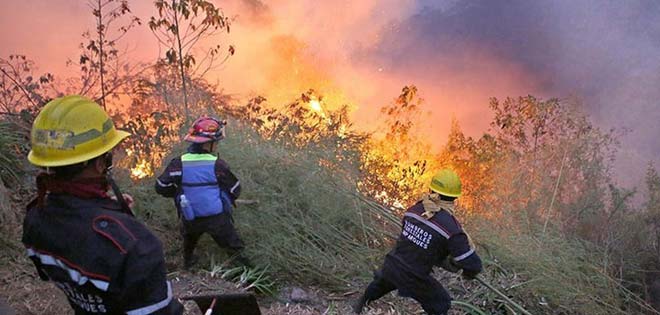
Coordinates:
column 359, row 304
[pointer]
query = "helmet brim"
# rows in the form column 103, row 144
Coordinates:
column 444, row 193
column 197, row 139
column 42, row 161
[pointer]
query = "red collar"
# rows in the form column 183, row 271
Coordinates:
column 86, row 188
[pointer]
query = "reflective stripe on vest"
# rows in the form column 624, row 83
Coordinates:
column 200, row 185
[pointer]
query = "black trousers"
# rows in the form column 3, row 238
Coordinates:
column 432, row 296
column 219, row 227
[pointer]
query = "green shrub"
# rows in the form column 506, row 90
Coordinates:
column 554, row 271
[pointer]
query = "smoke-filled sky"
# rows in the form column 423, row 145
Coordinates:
column 458, row 52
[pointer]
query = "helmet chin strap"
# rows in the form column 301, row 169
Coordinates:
column 115, row 189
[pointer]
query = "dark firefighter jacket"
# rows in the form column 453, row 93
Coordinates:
column 106, row 262
column 204, row 178
column 426, row 243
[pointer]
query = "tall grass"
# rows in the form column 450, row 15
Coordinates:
column 307, row 224
column 561, row 274
column 12, row 169
column 310, row 225
column 10, row 163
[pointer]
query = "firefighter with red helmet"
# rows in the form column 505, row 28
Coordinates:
column 204, row 191
column 85, row 242
column 431, row 236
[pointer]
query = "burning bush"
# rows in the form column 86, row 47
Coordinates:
column 155, row 116
column 396, row 167
column 392, row 168
column 153, row 137
column 300, row 123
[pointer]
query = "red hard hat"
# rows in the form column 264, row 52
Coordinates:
column 206, row 129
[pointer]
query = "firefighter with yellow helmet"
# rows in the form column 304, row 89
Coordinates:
column 81, row 239
column 431, row 236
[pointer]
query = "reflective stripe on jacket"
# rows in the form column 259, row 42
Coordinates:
column 424, row 243
column 104, row 261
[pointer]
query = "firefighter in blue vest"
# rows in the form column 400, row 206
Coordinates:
column 431, row 236
column 204, row 191
column 78, row 237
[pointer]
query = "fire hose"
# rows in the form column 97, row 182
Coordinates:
column 502, row 295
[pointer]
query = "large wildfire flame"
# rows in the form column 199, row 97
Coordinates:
column 297, row 61
column 395, row 162
column 285, row 47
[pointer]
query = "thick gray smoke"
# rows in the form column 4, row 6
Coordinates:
column 606, row 53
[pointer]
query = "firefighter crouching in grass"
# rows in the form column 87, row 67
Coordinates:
column 204, row 191
column 431, row 236
column 85, row 242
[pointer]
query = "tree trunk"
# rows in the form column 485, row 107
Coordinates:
column 183, row 74
column 99, row 29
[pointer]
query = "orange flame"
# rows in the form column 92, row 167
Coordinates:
column 315, row 105
column 141, row 170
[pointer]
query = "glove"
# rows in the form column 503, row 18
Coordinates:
column 470, row 274
column 450, row 265
column 128, row 198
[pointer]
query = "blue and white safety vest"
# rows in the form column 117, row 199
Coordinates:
column 199, row 185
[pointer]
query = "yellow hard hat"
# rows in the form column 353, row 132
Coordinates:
column 71, row 130
column 446, row 183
